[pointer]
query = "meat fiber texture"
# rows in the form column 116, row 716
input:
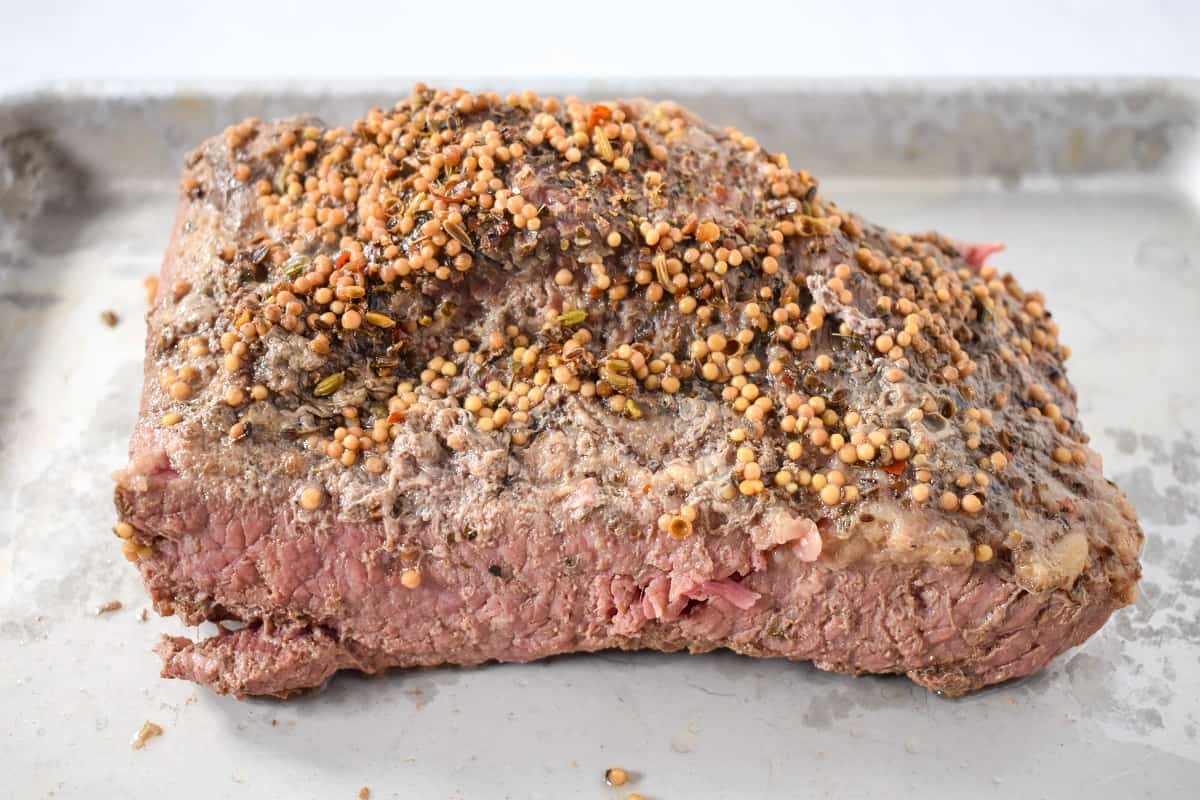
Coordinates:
column 968, row 538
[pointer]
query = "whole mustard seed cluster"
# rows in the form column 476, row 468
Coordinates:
column 678, row 261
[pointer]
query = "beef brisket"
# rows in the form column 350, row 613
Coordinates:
column 483, row 378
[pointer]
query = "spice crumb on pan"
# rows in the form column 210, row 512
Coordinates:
column 109, row 318
column 615, row 776
column 144, row 734
column 364, row 793
column 107, row 606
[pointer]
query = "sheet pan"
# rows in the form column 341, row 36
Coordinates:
column 1092, row 185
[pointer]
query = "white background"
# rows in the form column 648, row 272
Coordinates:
column 44, row 41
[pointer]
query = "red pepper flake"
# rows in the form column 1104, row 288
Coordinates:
column 599, row 113
column 895, row 468
column 342, row 258
column 976, row 254
column 394, row 417
column 646, row 489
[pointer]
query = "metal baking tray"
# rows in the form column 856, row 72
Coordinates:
column 1093, row 185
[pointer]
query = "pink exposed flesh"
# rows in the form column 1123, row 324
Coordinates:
column 734, row 593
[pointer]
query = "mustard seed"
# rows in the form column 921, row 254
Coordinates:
column 312, row 498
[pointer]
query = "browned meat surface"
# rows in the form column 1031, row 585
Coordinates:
column 485, row 378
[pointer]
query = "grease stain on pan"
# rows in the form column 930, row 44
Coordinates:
column 1161, row 255
column 26, row 301
column 1090, row 680
column 1185, row 570
column 1175, row 504
column 35, row 174
column 825, row 708
column 686, row 740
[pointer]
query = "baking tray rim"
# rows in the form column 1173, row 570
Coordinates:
column 1187, row 88
column 1178, row 173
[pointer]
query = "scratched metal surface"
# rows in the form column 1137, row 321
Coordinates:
column 1091, row 184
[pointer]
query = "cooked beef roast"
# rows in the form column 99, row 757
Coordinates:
column 483, row 378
